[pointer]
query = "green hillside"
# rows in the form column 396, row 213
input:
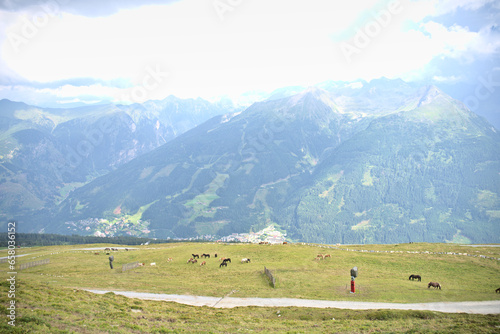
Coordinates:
column 45, row 153
column 407, row 177
column 51, row 298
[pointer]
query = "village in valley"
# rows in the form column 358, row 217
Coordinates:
column 100, row 227
column 270, row 235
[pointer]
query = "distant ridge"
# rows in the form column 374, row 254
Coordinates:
column 384, row 162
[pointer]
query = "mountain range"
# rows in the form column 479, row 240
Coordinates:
column 381, row 162
column 45, row 153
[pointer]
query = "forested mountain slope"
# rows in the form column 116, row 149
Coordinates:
column 47, row 152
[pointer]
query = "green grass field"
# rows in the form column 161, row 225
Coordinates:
column 49, row 299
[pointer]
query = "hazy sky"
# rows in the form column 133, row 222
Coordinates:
column 54, row 52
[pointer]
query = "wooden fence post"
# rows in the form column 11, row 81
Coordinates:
column 270, row 276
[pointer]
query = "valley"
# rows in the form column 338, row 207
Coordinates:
column 382, row 163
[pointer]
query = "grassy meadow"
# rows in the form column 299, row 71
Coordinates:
column 49, row 299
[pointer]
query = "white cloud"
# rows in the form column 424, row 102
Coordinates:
column 458, row 42
column 258, row 44
column 77, row 100
column 447, row 6
column 445, row 79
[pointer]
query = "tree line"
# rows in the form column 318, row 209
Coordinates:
column 36, row 239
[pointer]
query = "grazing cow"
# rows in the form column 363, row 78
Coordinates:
column 141, row 264
column 205, row 255
column 327, row 255
column 435, row 285
column 223, row 264
column 153, row 264
column 96, row 253
column 191, row 260
column 497, row 290
column 215, row 255
column 126, row 249
column 415, row 277
column 284, row 242
column 227, row 260
column 203, row 263
column 321, row 256
column 170, row 259
column 245, row 260
column 107, row 249
column 195, row 256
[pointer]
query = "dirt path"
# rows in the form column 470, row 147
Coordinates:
column 486, row 307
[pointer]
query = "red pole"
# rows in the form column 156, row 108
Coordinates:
column 353, row 289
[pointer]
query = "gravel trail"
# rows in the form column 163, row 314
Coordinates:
column 484, row 307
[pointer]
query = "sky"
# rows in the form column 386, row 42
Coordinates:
column 64, row 52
